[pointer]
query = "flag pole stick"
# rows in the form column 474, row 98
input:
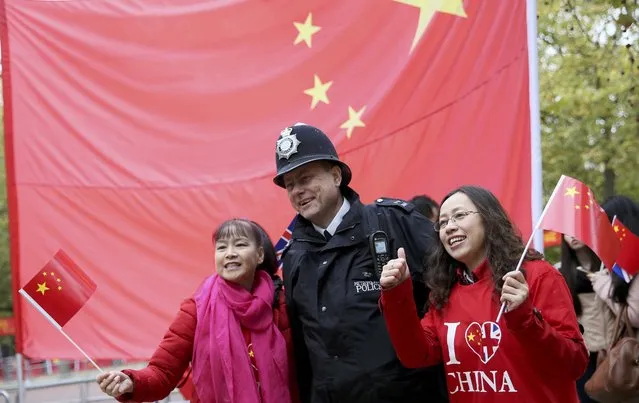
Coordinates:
column 532, row 236
column 20, row 376
column 57, row 326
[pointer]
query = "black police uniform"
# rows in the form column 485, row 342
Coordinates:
column 343, row 351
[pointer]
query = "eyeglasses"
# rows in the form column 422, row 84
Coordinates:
column 457, row 217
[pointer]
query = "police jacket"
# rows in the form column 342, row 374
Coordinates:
column 342, row 348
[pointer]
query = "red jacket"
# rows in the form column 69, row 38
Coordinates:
column 534, row 355
column 170, row 361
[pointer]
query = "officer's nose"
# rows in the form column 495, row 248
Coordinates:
column 296, row 190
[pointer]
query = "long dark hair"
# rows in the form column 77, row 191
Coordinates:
column 568, row 269
column 242, row 227
column 627, row 211
column 502, row 242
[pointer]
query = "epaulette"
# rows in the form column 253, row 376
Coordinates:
column 387, row 202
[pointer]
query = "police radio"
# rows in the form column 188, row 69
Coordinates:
column 380, row 250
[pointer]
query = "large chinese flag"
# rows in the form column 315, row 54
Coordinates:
column 573, row 210
column 133, row 128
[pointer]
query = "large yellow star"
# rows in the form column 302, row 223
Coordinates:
column 318, row 92
column 571, row 191
column 42, row 287
column 306, row 30
column 354, row 120
column 428, row 8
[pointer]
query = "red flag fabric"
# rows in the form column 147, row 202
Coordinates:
column 628, row 258
column 135, row 127
column 60, row 288
column 573, row 210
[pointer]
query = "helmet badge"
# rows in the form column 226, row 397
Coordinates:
column 287, row 144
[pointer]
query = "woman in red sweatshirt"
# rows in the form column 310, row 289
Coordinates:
column 533, row 354
column 234, row 332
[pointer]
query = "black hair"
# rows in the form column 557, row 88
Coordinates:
column 425, row 205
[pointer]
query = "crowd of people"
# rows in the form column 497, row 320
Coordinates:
column 424, row 328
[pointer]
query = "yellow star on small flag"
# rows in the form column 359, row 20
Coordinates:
column 354, row 120
column 571, row 191
column 42, row 287
column 318, row 92
column 428, row 8
column 306, row 30
column 616, row 227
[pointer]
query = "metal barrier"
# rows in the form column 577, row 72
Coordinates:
column 84, row 392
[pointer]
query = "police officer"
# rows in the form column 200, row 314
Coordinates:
column 343, row 351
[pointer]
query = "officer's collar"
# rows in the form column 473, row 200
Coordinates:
column 337, row 220
column 351, row 217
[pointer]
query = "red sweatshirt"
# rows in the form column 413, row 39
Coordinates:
column 533, row 355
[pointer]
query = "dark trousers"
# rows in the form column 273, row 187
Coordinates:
column 581, row 382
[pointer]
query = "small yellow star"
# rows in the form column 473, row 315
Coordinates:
column 571, row 191
column 318, row 91
column 59, row 288
column 354, row 120
column 306, row 30
column 587, row 207
column 42, row 287
column 428, row 8
column 471, row 337
column 251, row 354
column 616, row 228
column 44, row 273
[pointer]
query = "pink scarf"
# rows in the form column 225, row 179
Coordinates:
column 222, row 371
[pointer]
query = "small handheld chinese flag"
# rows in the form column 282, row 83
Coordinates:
column 627, row 264
column 574, row 211
column 60, row 289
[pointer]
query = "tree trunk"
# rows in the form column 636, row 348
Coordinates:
column 609, row 182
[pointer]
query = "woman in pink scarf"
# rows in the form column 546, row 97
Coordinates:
column 233, row 331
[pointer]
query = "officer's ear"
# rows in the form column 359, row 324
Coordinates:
column 336, row 172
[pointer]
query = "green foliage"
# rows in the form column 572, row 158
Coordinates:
column 589, row 74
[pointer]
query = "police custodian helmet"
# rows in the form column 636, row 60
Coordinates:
column 300, row 144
